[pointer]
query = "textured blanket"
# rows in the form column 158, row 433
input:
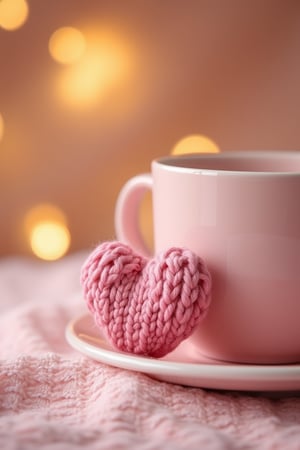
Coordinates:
column 52, row 397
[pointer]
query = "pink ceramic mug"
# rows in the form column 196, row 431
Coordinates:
column 239, row 211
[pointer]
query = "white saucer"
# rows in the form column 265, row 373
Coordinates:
column 183, row 366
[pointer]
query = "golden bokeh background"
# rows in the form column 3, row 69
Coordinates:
column 91, row 92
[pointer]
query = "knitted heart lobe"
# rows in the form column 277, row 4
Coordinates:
column 145, row 306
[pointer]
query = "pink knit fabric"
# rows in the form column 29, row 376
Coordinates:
column 54, row 398
column 146, row 307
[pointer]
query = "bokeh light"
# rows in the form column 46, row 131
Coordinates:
column 47, row 231
column 195, row 143
column 49, row 240
column 104, row 66
column 1, row 127
column 13, row 14
column 67, row 45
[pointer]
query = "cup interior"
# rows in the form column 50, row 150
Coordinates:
column 259, row 162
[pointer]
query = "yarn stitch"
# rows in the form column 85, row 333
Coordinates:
column 145, row 306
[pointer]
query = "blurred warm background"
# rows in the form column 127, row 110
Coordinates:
column 91, row 91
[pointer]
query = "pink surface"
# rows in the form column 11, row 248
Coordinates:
column 52, row 397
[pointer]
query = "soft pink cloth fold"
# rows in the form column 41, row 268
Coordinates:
column 52, row 397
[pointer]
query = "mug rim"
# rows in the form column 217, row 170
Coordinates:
column 166, row 162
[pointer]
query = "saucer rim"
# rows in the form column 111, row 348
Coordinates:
column 217, row 372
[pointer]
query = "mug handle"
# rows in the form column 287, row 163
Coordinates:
column 127, row 212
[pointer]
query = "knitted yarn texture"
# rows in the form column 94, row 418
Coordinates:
column 145, row 306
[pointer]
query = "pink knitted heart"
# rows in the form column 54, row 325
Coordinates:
column 146, row 307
